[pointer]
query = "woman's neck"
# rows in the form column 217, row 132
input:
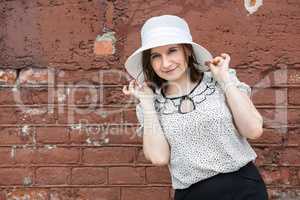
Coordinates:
column 180, row 87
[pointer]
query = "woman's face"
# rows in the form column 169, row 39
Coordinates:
column 169, row 61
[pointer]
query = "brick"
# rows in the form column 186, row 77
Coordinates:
column 34, row 96
column 267, row 155
column 88, row 176
column 269, row 96
column 79, row 136
column 294, row 116
column 47, row 155
column 52, row 135
column 158, row 175
column 56, row 155
column 112, row 193
column 123, row 135
column 114, row 77
column 108, row 155
column 94, row 135
column 26, row 115
column 250, row 76
column 126, row 175
column 24, row 155
column 294, row 96
column 66, row 78
column 61, row 194
column 130, row 115
column 278, row 175
column 275, row 116
column 141, row 156
column 6, row 156
column 91, row 114
column 20, row 176
column 283, row 193
column 104, row 44
column 81, row 95
column 115, row 96
column 8, row 76
column 270, row 136
column 53, row 175
column 36, row 76
column 6, row 96
column 109, row 15
column 293, row 137
column 13, row 135
column 294, row 77
column 29, row 193
column 105, row 47
column 290, row 156
column 151, row 193
column 105, row 134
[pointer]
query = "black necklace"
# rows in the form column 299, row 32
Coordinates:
column 187, row 104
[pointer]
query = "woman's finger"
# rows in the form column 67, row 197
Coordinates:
column 211, row 66
column 217, row 60
column 226, row 57
column 131, row 87
column 125, row 90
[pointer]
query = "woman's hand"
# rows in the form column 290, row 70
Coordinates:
column 219, row 66
column 140, row 91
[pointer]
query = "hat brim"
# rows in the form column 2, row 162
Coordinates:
column 134, row 67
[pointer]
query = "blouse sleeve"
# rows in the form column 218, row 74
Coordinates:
column 140, row 117
column 243, row 87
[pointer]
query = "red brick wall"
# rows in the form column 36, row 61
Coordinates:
column 68, row 132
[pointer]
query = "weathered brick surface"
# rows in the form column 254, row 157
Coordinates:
column 53, row 176
column 89, row 176
column 8, row 76
column 68, row 131
column 126, row 175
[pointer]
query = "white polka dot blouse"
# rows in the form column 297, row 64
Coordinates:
column 204, row 141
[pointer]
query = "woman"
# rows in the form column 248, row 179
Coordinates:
column 195, row 115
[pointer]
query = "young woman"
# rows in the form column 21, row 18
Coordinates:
column 195, row 115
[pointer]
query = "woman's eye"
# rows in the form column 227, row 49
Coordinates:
column 154, row 56
column 173, row 50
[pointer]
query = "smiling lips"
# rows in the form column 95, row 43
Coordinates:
column 171, row 70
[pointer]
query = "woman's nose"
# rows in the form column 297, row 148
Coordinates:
column 165, row 62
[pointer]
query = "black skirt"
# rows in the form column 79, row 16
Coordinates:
column 244, row 184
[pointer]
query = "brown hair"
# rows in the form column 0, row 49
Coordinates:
column 155, row 81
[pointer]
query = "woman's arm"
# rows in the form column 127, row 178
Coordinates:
column 155, row 145
column 247, row 119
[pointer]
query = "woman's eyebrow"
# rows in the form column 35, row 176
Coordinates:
column 170, row 48
column 175, row 47
column 153, row 53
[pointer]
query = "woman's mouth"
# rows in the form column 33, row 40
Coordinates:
column 170, row 70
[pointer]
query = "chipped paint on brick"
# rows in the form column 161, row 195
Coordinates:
column 26, row 194
column 25, row 130
column 8, row 76
column 13, row 152
column 252, row 5
column 105, row 44
column 88, row 140
column 27, row 181
column 61, row 96
column 35, row 111
column 49, row 146
column 76, row 126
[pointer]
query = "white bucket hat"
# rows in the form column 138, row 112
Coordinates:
column 160, row 31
